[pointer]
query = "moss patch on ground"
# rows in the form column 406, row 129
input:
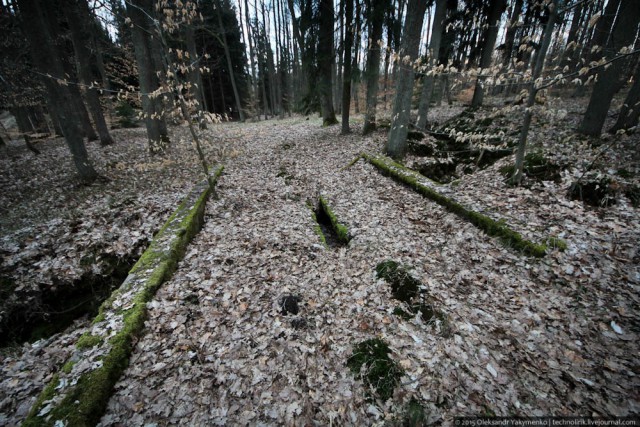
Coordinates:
column 493, row 228
column 84, row 403
column 371, row 363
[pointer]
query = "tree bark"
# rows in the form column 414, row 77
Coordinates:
column 434, row 47
column 510, row 35
column 537, row 71
column 326, row 61
column 397, row 142
column 348, row 46
column 377, row 9
column 77, row 14
column 47, row 59
column 630, row 111
column 227, row 55
column 607, row 84
column 489, row 41
column 140, row 12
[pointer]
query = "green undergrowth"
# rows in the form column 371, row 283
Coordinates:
column 493, row 228
column 371, row 363
column 84, row 403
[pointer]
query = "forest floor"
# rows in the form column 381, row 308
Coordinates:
column 516, row 335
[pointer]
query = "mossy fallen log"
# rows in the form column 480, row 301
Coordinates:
column 78, row 394
column 490, row 226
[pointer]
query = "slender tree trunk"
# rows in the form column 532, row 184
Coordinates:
column 326, row 61
column 377, row 10
column 254, row 77
column 491, row 34
column 77, row 14
column 630, row 111
column 47, row 59
column 397, row 142
column 140, row 12
column 537, row 71
column 512, row 28
column 348, row 45
column 25, row 128
column 195, row 77
column 434, row 47
column 607, row 84
column 236, row 94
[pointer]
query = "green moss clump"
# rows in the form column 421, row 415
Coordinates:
column 87, row 341
column 371, row 363
column 68, row 366
column 414, row 414
column 557, row 243
column 488, row 225
column 403, row 286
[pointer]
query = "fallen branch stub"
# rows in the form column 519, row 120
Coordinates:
column 331, row 232
column 420, row 184
column 78, row 394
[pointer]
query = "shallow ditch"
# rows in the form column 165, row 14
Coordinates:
column 332, row 233
column 55, row 308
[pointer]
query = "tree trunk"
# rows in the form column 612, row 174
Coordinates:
column 510, row 35
column 537, row 71
column 607, row 84
column 326, row 61
column 140, row 13
column 24, row 126
column 397, row 143
column 434, row 47
column 377, row 9
column 489, row 41
column 254, row 76
column 348, row 46
column 47, row 60
column 77, row 14
column 630, row 111
column 195, row 77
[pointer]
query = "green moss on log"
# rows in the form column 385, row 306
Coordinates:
column 490, row 226
column 84, row 403
column 87, row 340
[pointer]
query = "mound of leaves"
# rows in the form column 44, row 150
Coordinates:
column 537, row 168
column 371, row 363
